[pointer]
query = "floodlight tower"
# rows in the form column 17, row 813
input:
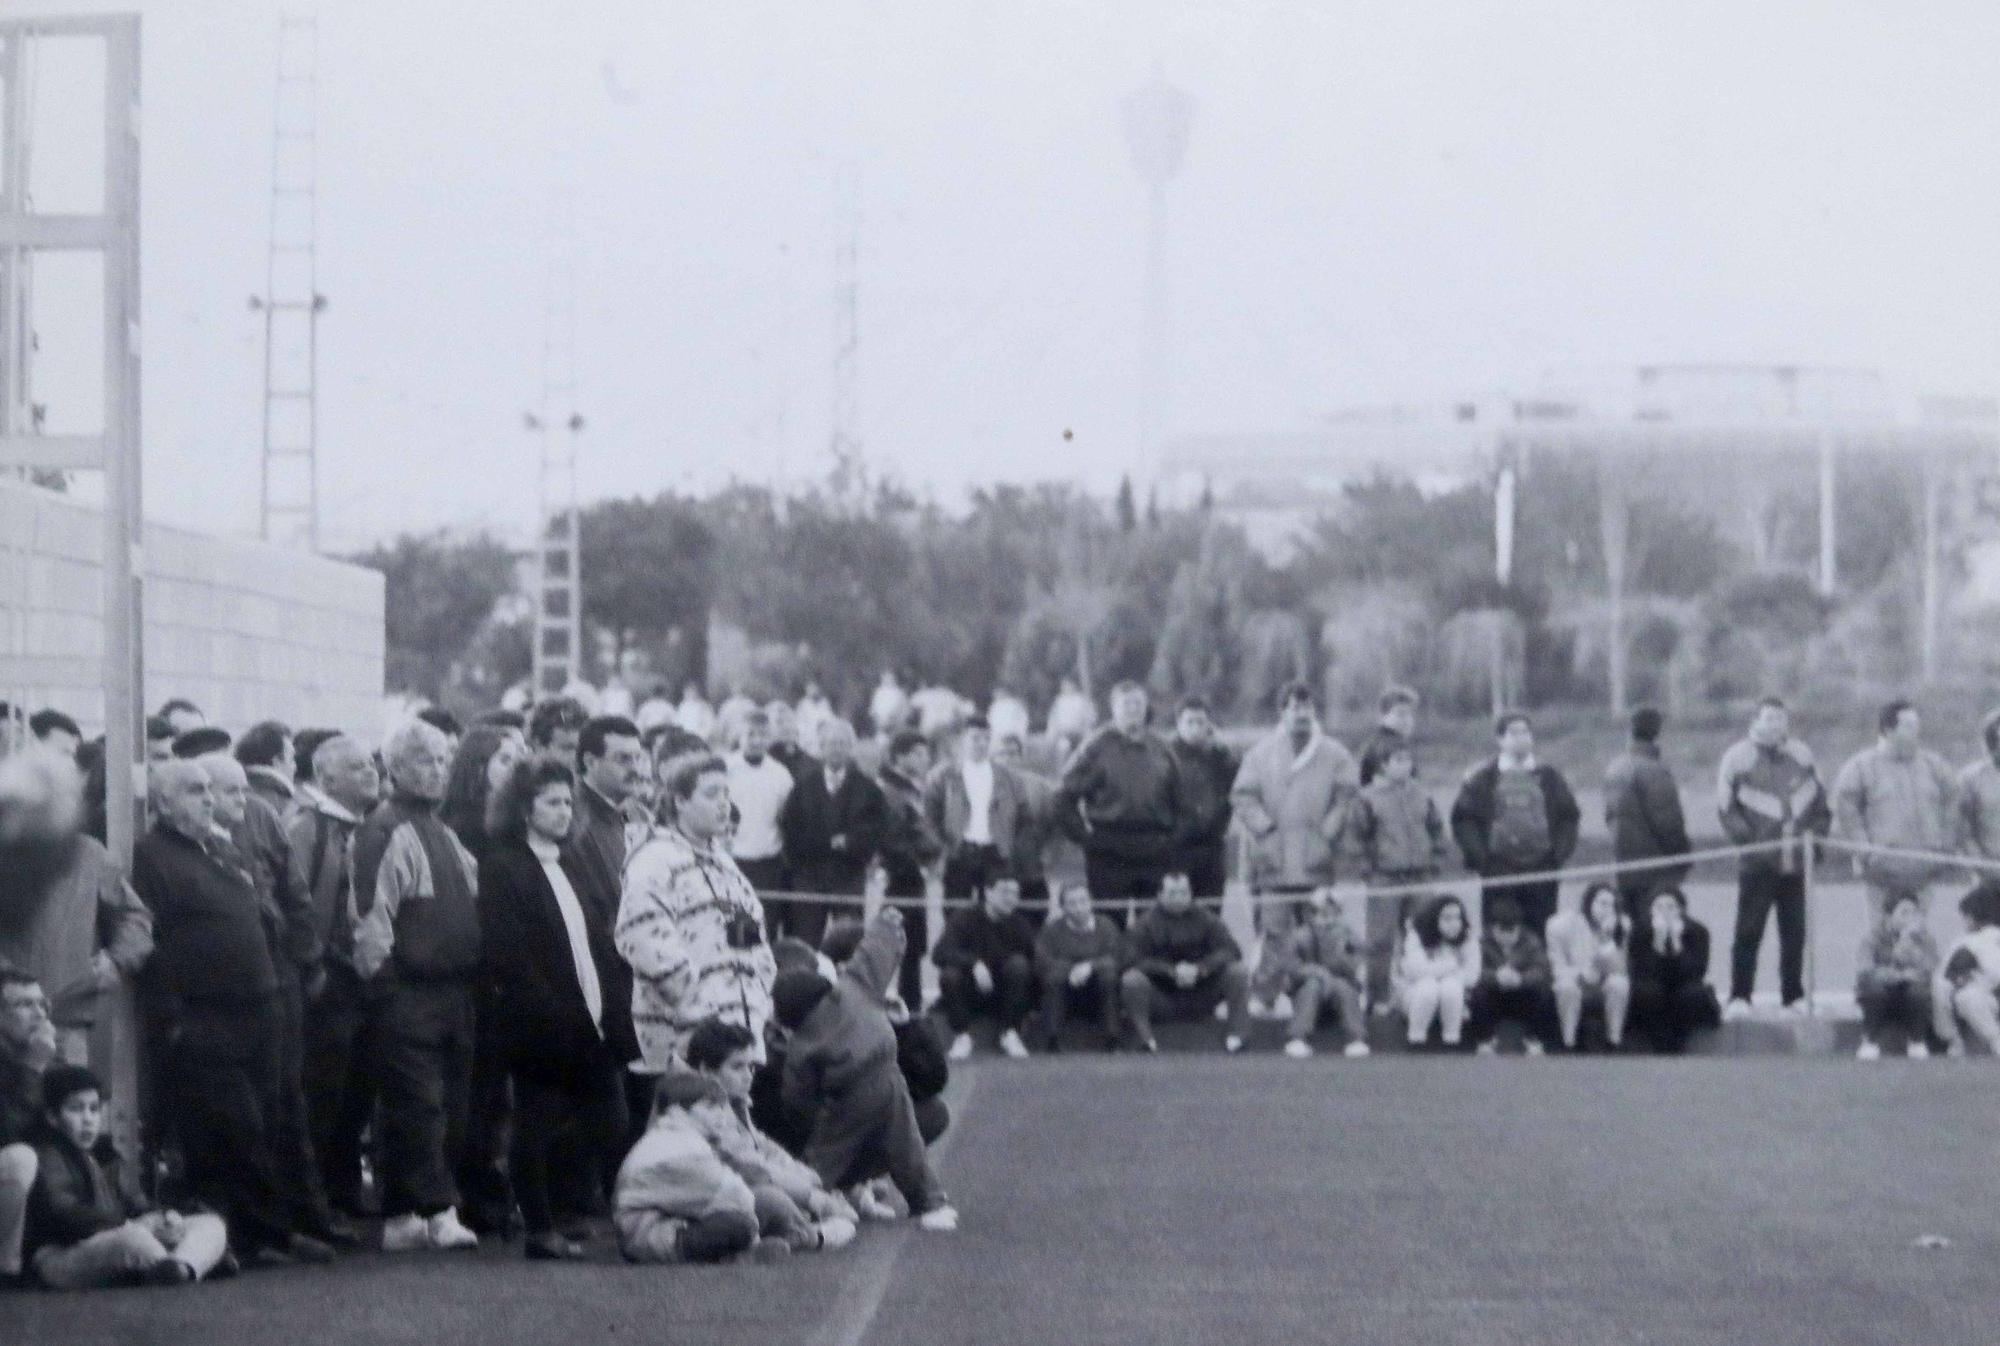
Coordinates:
column 558, row 650
column 1158, row 120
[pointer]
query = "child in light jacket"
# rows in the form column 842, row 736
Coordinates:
column 675, row 1199
column 1313, row 965
column 1893, row 984
column 1396, row 832
column 1964, row 990
column 1589, row 958
column 1440, row 963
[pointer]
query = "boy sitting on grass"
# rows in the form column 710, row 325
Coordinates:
column 792, row 1204
column 88, row 1226
column 1893, row 986
column 675, row 1199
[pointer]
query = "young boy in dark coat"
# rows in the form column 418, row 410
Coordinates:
column 840, row 1064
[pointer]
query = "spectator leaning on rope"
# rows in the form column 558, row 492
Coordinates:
column 1768, row 790
column 1514, row 815
column 1122, row 801
column 1642, row 807
column 1900, row 794
column 690, row 925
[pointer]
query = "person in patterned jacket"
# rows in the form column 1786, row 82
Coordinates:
column 689, row 923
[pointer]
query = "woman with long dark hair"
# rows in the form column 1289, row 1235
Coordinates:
column 546, row 967
column 485, row 758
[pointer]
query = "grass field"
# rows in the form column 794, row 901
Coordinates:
column 1208, row 1199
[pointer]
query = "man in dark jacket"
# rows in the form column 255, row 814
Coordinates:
column 266, row 752
column 1122, row 801
column 832, row 826
column 1767, row 790
column 210, row 993
column 1186, row 959
column 986, row 964
column 909, row 847
column 254, row 839
column 612, row 764
column 1208, row 773
column 1642, row 808
column 1516, row 816
column 418, row 946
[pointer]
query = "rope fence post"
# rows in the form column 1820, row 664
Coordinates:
column 1808, row 870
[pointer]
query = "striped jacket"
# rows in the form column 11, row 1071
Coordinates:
column 673, row 923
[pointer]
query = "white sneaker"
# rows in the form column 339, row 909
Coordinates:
column 1535, row 1047
column 1735, row 1011
column 1868, row 1051
column 1259, row 1007
column 868, row 1205
column 1011, row 1044
column 961, row 1047
column 835, row 1233
column 405, row 1234
column 1281, row 1008
column 1221, row 1010
column 943, row 1220
column 1918, row 1050
column 448, row 1234
column 1355, row 1050
column 1298, row 1049
column 1488, row 1048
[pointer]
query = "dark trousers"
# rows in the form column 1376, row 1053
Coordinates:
column 1098, row 995
column 560, row 1116
column 1207, row 865
column 1532, row 1008
column 424, row 1062
column 339, row 1081
column 1538, row 900
column 1008, row 1002
column 968, row 868
column 1122, row 884
column 1668, row 1015
column 1904, row 1005
column 806, row 919
column 1757, row 891
column 483, row 1164
column 221, row 1090
column 909, row 884
column 766, row 875
column 291, row 1125
column 1140, row 994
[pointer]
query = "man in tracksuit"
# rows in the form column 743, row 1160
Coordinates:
column 1767, row 789
column 1122, row 801
column 418, row 946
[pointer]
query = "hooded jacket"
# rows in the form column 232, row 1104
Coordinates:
column 674, row 1171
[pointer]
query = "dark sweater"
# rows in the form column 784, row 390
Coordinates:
column 208, row 928
column 78, row 1194
column 1123, row 795
column 1061, row 946
column 1162, row 938
column 1208, row 772
column 973, row 936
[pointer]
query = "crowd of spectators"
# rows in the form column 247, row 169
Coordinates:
column 666, row 976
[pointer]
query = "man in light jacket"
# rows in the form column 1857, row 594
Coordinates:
column 1292, row 794
column 1899, row 794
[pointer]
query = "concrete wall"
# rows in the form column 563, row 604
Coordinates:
column 243, row 630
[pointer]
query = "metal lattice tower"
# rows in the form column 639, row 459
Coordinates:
column 558, row 651
column 846, row 437
column 291, row 302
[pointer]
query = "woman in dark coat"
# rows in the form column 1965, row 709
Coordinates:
column 546, row 968
column 1671, row 997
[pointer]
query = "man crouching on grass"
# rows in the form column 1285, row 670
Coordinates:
column 840, row 1064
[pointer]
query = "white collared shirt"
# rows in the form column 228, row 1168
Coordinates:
column 978, row 778
column 572, row 917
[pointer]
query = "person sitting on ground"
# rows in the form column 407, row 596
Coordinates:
column 1314, row 965
column 675, row 1199
column 1078, row 956
column 1440, row 963
column 986, row 965
column 840, row 1064
column 1587, row 955
column 1963, row 993
column 1513, row 980
column 89, row 1227
column 1671, row 997
column 792, row 1202
column 27, row 1049
column 1184, row 957
column 1893, row 986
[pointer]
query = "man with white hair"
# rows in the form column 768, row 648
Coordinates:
column 67, row 917
column 832, row 825
column 253, row 838
column 417, row 944
column 210, row 993
column 339, row 1095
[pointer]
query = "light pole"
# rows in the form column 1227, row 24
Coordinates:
column 1158, row 120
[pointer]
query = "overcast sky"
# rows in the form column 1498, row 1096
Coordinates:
column 1379, row 201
